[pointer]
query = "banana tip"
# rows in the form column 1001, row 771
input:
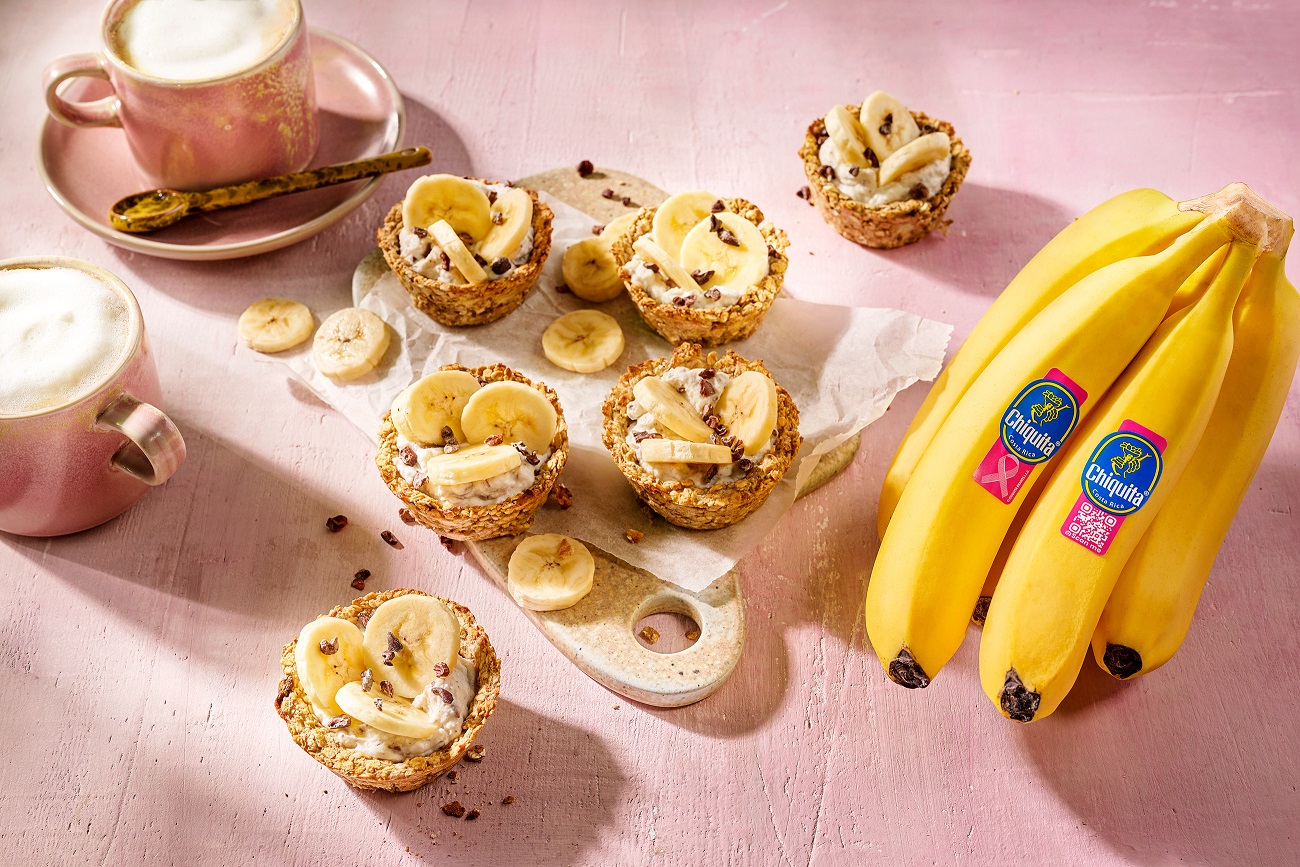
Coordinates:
column 1121, row 661
column 981, row 612
column 904, row 670
column 1017, row 702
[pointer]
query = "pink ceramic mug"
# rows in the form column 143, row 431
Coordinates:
column 88, row 459
column 191, row 134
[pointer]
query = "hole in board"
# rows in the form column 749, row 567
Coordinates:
column 671, row 628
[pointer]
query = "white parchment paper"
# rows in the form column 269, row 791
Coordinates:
column 842, row 366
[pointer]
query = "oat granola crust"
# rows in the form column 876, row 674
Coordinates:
column 509, row 517
column 715, row 325
column 468, row 304
column 682, row 503
column 883, row 226
column 366, row 773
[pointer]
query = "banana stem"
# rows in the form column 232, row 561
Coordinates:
column 1249, row 216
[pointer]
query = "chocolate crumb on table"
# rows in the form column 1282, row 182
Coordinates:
column 649, row 634
column 607, row 193
column 507, row 800
column 454, row 809
column 634, row 536
column 388, row 537
column 338, row 522
column 359, row 580
column 804, row 193
column 452, row 776
column 585, row 168
column 472, row 815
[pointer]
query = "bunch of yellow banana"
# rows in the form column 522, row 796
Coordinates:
column 1075, row 468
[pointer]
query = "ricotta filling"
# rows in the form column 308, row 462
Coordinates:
column 449, row 718
column 426, row 257
column 644, row 425
column 487, row 492
column 862, row 187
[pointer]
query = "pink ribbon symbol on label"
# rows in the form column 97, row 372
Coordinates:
column 1008, row 466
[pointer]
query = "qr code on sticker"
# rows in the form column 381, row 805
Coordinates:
column 1091, row 527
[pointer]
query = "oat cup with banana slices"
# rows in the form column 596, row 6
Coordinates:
column 702, row 439
column 881, row 175
column 701, row 268
column 473, row 452
column 390, row 691
column 467, row 251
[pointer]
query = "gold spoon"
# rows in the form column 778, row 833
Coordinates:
column 154, row 209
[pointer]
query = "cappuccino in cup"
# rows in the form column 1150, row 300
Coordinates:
column 196, row 40
column 63, row 334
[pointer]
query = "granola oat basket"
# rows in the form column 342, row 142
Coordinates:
column 682, row 503
column 884, row 226
column 716, row 325
column 465, row 304
column 307, row 731
column 511, row 516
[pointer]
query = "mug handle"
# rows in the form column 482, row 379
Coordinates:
column 154, row 450
column 101, row 112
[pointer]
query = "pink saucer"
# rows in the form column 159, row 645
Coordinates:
column 361, row 115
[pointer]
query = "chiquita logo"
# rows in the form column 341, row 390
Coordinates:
column 1039, row 420
column 1122, row 473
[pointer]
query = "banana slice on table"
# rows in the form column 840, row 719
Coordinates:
column 618, row 226
column 677, row 216
column 683, row 452
column 461, row 258
column 472, row 464
column 328, row 654
column 888, row 124
column 590, row 270
column 550, row 572
column 748, row 406
column 583, row 341
column 392, row 714
column 515, row 208
column 736, row 266
column 513, row 411
column 914, row 155
column 671, row 409
column 847, row 134
column 408, row 640
column 669, row 268
column 432, row 403
column 275, row 324
column 349, row 343
column 447, row 197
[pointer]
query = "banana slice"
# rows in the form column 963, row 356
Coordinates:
column 917, row 153
column 677, row 216
column 394, row 714
column 472, row 464
column 736, row 267
column 408, row 640
column 461, row 258
column 848, row 135
column 682, row 452
column 515, row 208
column 888, row 125
column 328, row 654
column 590, row 270
column 669, row 268
column 583, row 341
column 747, row 406
column 513, row 411
column 275, row 324
column 550, row 572
column 349, row 343
column 432, row 403
column 671, row 409
column 447, row 197
column 618, row 226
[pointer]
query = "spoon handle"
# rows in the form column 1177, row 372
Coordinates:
column 340, row 173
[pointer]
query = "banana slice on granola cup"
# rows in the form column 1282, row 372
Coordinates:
column 491, row 483
column 666, row 418
column 432, row 734
column 719, row 282
column 504, row 230
column 880, row 181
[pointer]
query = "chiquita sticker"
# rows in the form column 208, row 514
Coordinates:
column 1119, row 478
column 1034, row 427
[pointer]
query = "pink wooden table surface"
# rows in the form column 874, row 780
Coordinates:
column 141, row 657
